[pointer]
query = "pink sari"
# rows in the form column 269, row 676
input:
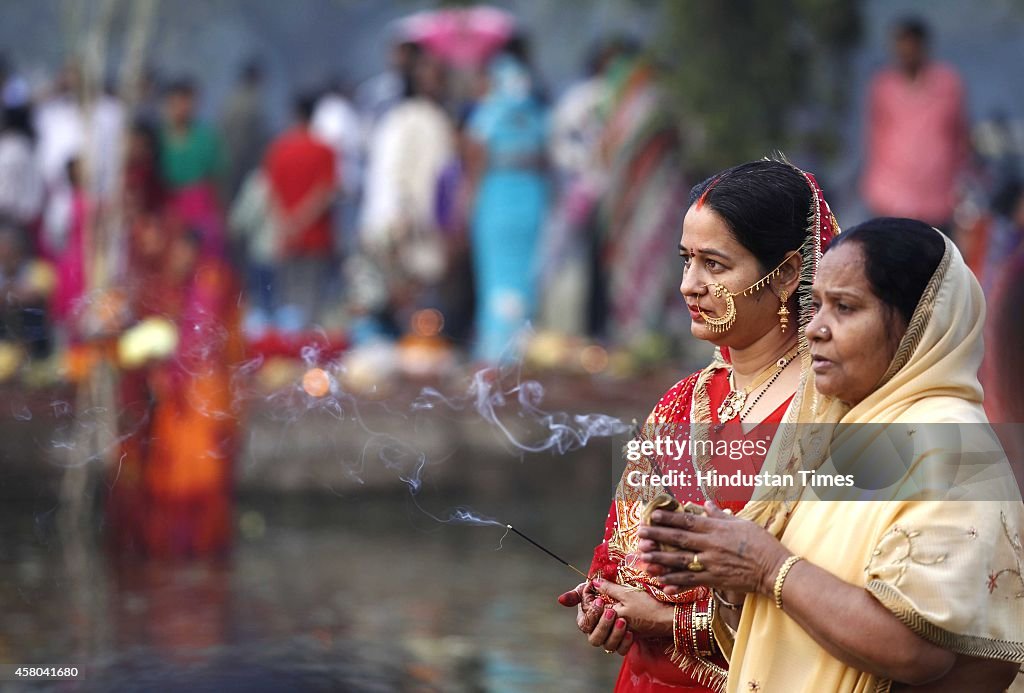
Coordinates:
column 71, row 262
column 197, row 205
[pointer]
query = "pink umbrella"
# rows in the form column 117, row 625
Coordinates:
column 464, row 37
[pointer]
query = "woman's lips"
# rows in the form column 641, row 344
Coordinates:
column 820, row 364
column 695, row 312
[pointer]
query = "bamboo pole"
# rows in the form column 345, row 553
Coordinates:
column 94, row 446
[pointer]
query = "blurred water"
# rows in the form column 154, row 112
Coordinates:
column 333, row 583
column 325, row 592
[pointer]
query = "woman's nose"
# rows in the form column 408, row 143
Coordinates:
column 816, row 329
column 691, row 284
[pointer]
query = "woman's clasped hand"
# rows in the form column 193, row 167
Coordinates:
column 734, row 555
column 613, row 615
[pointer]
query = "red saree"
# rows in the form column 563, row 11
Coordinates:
column 690, row 661
column 659, row 665
column 171, row 495
column 194, row 429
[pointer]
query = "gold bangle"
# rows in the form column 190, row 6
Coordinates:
column 700, row 630
column 781, row 578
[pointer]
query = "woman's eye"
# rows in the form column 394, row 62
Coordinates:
column 712, row 264
column 816, row 306
column 843, row 308
column 685, row 259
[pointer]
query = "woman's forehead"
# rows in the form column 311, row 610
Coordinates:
column 703, row 228
column 842, row 267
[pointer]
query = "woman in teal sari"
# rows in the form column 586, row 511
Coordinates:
column 509, row 129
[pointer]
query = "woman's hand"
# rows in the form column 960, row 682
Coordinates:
column 845, row 619
column 611, row 633
column 598, row 622
column 646, row 616
column 736, row 555
column 588, row 605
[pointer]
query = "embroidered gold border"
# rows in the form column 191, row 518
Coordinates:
column 970, row 645
column 700, row 422
column 705, row 673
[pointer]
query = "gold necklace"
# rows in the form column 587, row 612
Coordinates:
column 733, row 403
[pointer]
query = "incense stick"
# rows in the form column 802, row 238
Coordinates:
column 550, row 553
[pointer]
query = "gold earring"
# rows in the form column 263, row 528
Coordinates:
column 725, row 322
column 783, row 311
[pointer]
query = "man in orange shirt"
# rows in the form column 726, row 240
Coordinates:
column 917, row 135
column 301, row 172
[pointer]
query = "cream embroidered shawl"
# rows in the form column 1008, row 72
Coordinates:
column 952, row 569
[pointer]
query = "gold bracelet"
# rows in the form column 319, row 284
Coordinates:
column 700, row 630
column 781, row 578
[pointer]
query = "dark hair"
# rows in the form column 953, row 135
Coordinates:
column 409, row 54
column 1004, row 199
column 519, row 47
column 303, row 106
column 19, row 119
column 337, row 83
column 187, row 235
column 194, row 237
column 913, row 28
column 1008, row 330
column 602, row 52
column 150, row 133
column 73, row 170
column 764, row 203
column 182, row 86
column 16, row 233
column 252, row 71
column 900, row 257
column 9, row 224
column 410, row 48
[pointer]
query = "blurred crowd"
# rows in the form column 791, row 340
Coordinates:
column 446, row 203
column 447, row 199
column 924, row 159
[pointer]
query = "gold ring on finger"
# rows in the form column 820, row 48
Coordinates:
column 695, row 565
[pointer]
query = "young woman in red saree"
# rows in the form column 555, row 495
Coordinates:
column 171, row 494
column 751, row 241
column 188, row 475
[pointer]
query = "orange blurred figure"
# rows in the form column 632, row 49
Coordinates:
column 173, row 496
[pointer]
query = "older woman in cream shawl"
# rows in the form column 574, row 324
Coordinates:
column 913, row 578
